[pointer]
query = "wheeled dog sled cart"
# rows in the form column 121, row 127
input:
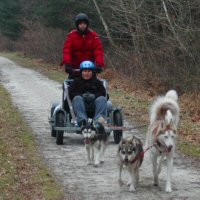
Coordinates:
column 62, row 118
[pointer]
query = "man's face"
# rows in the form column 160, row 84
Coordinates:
column 87, row 74
column 82, row 26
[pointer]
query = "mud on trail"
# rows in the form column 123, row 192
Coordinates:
column 33, row 93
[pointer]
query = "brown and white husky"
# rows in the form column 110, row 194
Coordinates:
column 162, row 133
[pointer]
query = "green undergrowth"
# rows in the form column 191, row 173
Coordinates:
column 23, row 174
column 187, row 148
column 188, row 140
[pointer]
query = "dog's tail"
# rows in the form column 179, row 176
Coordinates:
column 172, row 94
column 164, row 104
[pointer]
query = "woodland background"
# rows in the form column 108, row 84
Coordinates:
column 153, row 43
column 156, row 43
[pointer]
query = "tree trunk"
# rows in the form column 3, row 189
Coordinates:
column 103, row 22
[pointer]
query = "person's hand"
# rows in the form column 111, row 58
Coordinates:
column 91, row 97
column 98, row 69
column 68, row 69
column 88, row 97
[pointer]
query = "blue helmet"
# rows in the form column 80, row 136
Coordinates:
column 87, row 65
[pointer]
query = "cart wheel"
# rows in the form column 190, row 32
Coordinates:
column 118, row 121
column 59, row 123
column 53, row 132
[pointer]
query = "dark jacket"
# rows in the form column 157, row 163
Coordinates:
column 80, row 86
column 78, row 48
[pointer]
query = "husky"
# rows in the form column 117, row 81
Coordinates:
column 162, row 133
column 130, row 156
column 96, row 140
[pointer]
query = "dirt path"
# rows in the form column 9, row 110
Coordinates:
column 33, row 93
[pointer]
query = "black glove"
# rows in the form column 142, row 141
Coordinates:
column 88, row 97
column 68, row 69
column 91, row 97
column 98, row 69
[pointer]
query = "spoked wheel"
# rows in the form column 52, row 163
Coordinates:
column 59, row 123
column 118, row 121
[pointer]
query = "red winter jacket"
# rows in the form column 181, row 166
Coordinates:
column 78, row 48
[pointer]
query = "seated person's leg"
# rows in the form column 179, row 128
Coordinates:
column 100, row 107
column 79, row 110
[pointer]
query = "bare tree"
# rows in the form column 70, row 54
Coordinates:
column 103, row 22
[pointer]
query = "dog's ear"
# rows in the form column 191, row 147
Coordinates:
column 159, row 128
column 172, row 124
column 162, row 126
column 119, row 148
column 131, row 139
column 123, row 141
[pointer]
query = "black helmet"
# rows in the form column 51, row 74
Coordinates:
column 81, row 17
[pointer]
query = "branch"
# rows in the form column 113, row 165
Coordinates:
column 170, row 23
column 103, row 22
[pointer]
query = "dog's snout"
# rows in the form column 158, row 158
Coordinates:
column 170, row 148
column 126, row 159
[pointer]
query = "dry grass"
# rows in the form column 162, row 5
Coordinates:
column 23, row 174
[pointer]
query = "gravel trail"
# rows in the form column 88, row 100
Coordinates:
column 33, row 93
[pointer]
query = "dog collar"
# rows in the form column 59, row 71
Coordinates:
column 161, row 146
column 140, row 155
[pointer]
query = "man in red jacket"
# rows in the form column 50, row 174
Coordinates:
column 82, row 44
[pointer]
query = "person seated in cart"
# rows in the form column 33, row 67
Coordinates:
column 82, row 44
column 88, row 89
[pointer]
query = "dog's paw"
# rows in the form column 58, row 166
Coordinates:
column 168, row 189
column 155, row 182
column 128, row 183
column 131, row 188
column 97, row 163
column 89, row 163
column 120, row 182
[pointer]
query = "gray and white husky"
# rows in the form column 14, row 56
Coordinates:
column 130, row 157
column 96, row 140
column 161, row 134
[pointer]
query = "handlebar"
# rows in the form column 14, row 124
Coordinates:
column 78, row 70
